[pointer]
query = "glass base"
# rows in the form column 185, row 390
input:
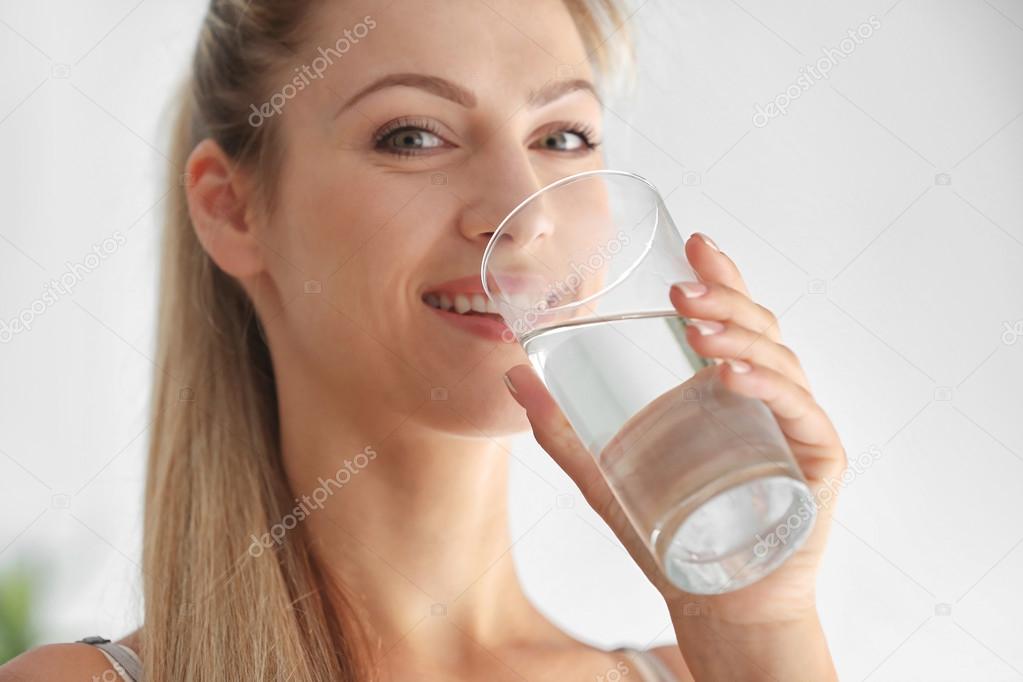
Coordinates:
column 735, row 535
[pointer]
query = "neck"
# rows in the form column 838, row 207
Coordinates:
column 417, row 533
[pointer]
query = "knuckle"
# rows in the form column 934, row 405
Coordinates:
column 601, row 501
column 787, row 362
column 562, row 437
column 770, row 319
column 841, row 461
column 789, row 354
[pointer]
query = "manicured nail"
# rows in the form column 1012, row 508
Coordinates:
column 692, row 289
column 508, row 383
column 707, row 327
column 738, row 366
column 708, row 241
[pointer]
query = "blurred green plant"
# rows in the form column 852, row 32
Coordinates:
column 18, row 589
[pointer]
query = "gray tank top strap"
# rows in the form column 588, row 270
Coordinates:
column 122, row 658
column 650, row 667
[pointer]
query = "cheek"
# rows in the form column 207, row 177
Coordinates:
column 343, row 273
column 478, row 403
column 380, row 252
column 336, row 223
column 372, row 283
column 380, row 220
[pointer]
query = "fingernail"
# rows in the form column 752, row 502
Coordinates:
column 738, row 366
column 707, row 327
column 508, row 383
column 692, row 289
column 708, row 241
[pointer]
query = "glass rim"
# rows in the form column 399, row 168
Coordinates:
column 568, row 179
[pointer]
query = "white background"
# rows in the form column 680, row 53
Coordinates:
column 881, row 218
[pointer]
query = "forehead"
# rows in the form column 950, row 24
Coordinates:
column 505, row 46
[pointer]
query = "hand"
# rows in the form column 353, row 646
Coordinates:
column 756, row 364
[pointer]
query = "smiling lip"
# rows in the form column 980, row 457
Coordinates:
column 478, row 314
column 486, row 325
column 510, row 284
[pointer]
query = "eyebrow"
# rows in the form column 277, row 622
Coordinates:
column 459, row 95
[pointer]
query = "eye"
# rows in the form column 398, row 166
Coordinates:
column 405, row 137
column 563, row 141
column 568, row 137
column 409, row 138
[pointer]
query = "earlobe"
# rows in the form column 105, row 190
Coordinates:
column 217, row 204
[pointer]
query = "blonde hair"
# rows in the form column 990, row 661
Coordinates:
column 213, row 611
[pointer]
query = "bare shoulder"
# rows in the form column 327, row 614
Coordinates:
column 672, row 659
column 56, row 662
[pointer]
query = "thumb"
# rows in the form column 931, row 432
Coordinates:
column 556, row 436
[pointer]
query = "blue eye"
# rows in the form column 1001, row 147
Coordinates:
column 565, row 140
column 407, row 139
column 404, row 137
column 568, row 137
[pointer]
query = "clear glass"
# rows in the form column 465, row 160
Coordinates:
column 580, row 273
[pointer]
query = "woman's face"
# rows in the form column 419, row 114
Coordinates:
column 388, row 195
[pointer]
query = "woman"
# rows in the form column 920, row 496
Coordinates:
column 340, row 161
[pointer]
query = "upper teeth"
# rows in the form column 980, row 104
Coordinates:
column 462, row 303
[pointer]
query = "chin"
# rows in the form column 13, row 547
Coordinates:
column 478, row 414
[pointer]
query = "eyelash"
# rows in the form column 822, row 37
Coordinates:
column 402, row 124
column 583, row 130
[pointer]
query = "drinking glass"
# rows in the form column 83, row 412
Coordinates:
column 580, row 272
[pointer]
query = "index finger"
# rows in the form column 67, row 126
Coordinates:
column 711, row 265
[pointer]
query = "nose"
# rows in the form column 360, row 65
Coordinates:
column 500, row 178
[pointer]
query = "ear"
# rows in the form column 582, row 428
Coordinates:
column 217, row 203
